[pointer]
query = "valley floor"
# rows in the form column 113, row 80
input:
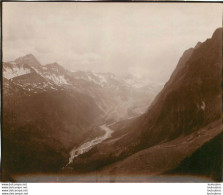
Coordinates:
column 149, row 165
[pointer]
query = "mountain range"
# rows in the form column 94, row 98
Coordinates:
column 186, row 114
column 49, row 111
column 108, row 91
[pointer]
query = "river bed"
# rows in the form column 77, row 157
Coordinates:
column 75, row 152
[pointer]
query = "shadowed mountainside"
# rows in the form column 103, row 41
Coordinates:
column 40, row 129
column 206, row 161
column 48, row 111
column 190, row 101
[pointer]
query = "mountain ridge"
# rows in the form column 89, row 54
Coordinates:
column 55, row 111
column 107, row 89
column 189, row 101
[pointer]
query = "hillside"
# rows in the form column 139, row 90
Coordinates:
column 189, row 102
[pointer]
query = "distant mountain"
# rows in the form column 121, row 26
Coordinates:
column 185, row 114
column 117, row 97
column 47, row 110
column 28, row 59
column 55, row 73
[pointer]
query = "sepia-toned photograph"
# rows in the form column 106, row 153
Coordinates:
column 111, row 92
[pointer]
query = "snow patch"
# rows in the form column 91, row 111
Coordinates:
column 59, row 80
column 203, row 105
column 15, row 71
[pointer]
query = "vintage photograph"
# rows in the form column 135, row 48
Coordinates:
column 111, row 92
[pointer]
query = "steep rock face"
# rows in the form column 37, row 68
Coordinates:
column 190, row 100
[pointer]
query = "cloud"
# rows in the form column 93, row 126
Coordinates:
column 139, row 38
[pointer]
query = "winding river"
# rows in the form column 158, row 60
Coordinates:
column 75, row 152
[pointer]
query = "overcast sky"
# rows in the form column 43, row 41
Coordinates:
column 137, row 38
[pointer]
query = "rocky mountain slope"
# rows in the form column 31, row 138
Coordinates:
column 47, row 110
column 206, row 161
column 41, row 128
column 187, row 110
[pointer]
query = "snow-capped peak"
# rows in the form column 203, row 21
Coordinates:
column 28, row 59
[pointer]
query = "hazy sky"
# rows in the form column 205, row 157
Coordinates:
column 137, row 38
